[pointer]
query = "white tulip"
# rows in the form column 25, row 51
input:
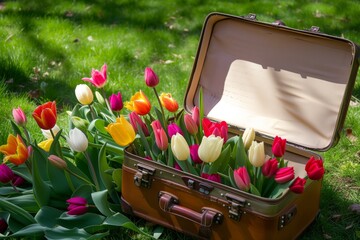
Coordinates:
column 77, row 140
column 256, row 154
column 210, row 148
column 84, row 94
column 179, row 147
column 248, row 137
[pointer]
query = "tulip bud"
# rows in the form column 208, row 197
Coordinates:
column 80, row 123
column 116, row 103
column 179, row 147
column 256, row 154
column 242, row 178
column 173, row 129
column 248, row 137
column 3, row 225
column 47, row 134
column 196, row 115
column 161, row 138
column 151, row 79
column 298, row 185
column 6, row 174
column 284, row 175
column 190, row 124
column 77, row 206
column 278, row 147
column 46, row 144
column 77, row 140
column 315, row 169
column 270, row 168
column 210, row 148
column 99, row 98
column 194, row 154
column 135, row 120
column 84, row 94
column 57, row 162
column 19, row 116
column 212, row 177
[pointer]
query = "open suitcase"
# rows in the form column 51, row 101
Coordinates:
column 280, row 81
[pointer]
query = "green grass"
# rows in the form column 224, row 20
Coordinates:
column 46, row 48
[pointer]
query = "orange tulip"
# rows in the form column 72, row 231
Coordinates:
column 169, row 102
column 139, row 103
column 15, row 150
column 45, row 115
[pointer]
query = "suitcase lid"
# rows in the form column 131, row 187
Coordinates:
column 281, row 81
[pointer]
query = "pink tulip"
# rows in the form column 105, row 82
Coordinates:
column 190, row 124
column 19, row 116
column 151, row 79
column 173, row 128
column 242, row 178
column 284, row 175
column 161, row 138
column 212, row 177
column 98, row 78
column 270, row 168
column 135, row 120
column 116, row 103
column 196, row 115
column 77, row 206
column 194, row 154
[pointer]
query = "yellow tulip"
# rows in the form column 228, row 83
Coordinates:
column 45, row 145
column 256, row 154
column 121, row 131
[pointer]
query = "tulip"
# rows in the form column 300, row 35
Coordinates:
column 212, row 177
column 179, row 147
column 45, row 115
column 15, row 150
column 169, row 102
column 46, row 145
column 19, row 116
column 57, row 162
column 196, row 115
column 161, row 138
column 217, row 129
column 314, row 168
column 3, row 225
column 135, row 120
column 256, row 154
column 139, row 103
column 194, row 154
column 190, row 124
column 278, row 147
column 270, row 168
column 284, row 175
column 242, row 178
column 151, row 79
column 77, row 140
column 116, row 103
column 98, row 78
column 298, row 185
column 121, row 131
column 6, row 174
column 47, row 134
column 173, row 129
column 210, row 148
column 84, row 94
column 248, row 137
column 18, row 180
column 77, row 206
column 177, row 166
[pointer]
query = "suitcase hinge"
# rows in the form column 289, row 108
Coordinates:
column 287, row 217
column 235, row 205
column 143, row 176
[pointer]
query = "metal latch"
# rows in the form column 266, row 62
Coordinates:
column 235, row 205
column 143, row 176
column 287, row 217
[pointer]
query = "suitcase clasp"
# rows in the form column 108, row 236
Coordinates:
column 143, row 176
column 235, row 205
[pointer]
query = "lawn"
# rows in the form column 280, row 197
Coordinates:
column 47, row 48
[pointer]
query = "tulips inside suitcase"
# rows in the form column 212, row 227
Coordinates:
column 269, row 99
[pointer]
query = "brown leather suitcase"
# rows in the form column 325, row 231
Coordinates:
column 281, row 81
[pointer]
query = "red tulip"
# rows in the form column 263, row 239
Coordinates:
column 298, row 185
column 151, row 79
column 135, row 120
column 284, row 175
column 270, row 168
column 212, row 177
column 45, row 115
column 242, row 178
column 315, row 169
column 116, row 103
column 98, row 78
column 77, row 206
column 3, row 225
column 161, row 138
column 278, row 147
column 217, row 129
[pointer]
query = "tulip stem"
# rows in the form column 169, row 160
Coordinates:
column 78, row 176
column 68, row 179
column 106, row 100
column 202, row 168
column 27, row 134
column 92, row 112
column 14, row 187
column 92, row 170
column 52, row 133
column 161, row 107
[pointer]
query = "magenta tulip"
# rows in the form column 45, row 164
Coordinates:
column 151, row 79
column 77, row 206
column 116, row 103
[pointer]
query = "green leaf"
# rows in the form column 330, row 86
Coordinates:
column 16, row 212
column 221, row 164
column 34, row 230
column 158, row 231
column 231, row 178
column 254, row 190
column 241, row 158
column 186, row 167
column 61, row 233
column 201, row 111
column 101, row 202
column 26, row 202
column 103, row 168
column 80, row 221
column 279, row 189
column 117, row 177
column 47, row 216
column 98, row 124
column 16, row 129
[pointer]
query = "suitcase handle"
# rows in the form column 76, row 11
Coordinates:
column 206, row 218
